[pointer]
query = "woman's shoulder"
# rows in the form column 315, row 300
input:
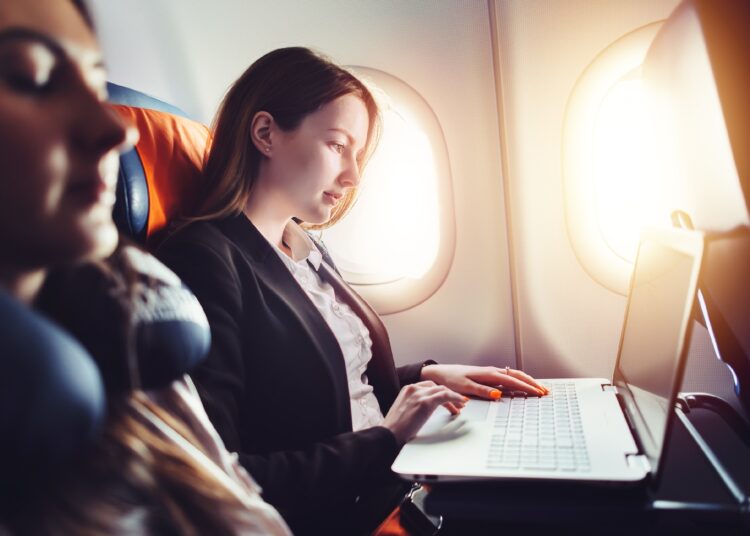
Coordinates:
column 196, row 240
column 207, row 254
column 233, row 239
column 233, row 230
column 203, row 231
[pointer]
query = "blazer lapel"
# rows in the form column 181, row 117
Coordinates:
column 381, row 371
column 271, row 270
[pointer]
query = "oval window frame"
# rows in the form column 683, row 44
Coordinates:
column 623, row 56
column 402, row 293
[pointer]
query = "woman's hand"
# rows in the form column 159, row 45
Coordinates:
column 484, row 382
column 415, row 403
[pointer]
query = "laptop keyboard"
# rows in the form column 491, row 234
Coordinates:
column 539, row 433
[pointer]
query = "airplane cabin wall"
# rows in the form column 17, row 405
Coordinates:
column 567, row 323
column 187, row 52
column 193, row 50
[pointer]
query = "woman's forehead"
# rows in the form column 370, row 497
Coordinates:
column 58, row 20
column 347, row 112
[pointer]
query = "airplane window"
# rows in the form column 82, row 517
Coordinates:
column 396, row 244
column 626, row 193
column 608, row 169
column 392, row 231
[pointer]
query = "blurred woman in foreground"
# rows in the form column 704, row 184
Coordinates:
column 157, row 465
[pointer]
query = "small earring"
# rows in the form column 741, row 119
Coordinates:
column 268, row 149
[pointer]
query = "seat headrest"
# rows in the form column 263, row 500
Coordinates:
column 160, row 177
column 51, row 396
column 142, row 326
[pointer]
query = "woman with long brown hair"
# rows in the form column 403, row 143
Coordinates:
column 156, row 466
column 300, row 379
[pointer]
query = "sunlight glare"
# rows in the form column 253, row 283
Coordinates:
column 393, row 230
column 626, row 162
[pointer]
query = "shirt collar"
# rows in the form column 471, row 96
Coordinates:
column 301, row 245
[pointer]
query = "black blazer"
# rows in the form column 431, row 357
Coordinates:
column 274, row 383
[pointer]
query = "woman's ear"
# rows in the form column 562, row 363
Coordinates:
column 261, row 132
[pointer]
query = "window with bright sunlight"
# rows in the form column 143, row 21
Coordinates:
column 392, row 230
column 626, row 193
column 608, row 161
column 397, row 242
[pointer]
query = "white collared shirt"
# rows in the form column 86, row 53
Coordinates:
column 349, row 330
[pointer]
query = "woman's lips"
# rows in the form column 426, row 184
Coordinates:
column 91, row 192
column 331, row 198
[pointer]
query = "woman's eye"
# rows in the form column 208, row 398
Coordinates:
column 338, row 147
column 27, row 68
column 24, row 83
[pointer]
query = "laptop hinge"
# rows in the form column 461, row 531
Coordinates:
column 610, row 388
column 638, row 461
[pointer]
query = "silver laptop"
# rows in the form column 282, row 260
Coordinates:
column 587, row 429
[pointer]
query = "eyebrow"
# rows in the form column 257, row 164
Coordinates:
column 17, row 33
column 26, row 34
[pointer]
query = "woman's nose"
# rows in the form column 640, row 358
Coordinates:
column 100, row 129
column 350, row 177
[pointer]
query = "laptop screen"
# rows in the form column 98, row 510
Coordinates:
column 656, row 333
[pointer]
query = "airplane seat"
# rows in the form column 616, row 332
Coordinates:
column 52, row 391
column 52, row 400
column 63, row 361
column 156, row 180
column 145, row 341
column 161, row 175
column 698, row 68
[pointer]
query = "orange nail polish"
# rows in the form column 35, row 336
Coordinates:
column 466, row 399
column 495, row 394
column 541, row 392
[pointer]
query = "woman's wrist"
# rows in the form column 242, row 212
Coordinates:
column 396, row 441
column 425, row 372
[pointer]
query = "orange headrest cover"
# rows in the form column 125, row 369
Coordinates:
column 172, row 151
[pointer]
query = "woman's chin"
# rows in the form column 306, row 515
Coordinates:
column 101, row 242
column 317, row 217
